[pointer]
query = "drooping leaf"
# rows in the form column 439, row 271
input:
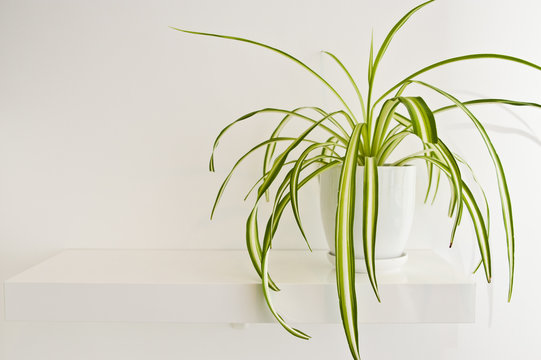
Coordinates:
column 422, row 119
column 281, row 159
column 272, row 224
column 370, row 219
column 281, row 52
column 293, row 331
column 286, row 198
column 475, row 214
column 239, row 161
column 458, row 59
column 344, row 251
column 456, row 178
column 254, row 246
column 261, row 111
column 505, row 199
column 489, row 101
column 269, row 151
column 294, row 182
column 430, row 175
column 443, row 154
column 328, row 154
column 472, row 173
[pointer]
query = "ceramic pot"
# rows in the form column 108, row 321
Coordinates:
column 395, row 212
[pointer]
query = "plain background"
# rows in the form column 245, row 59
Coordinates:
column 107, row 118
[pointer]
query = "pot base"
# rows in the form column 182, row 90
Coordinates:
column 382, row 265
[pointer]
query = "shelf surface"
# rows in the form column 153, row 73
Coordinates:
column 220, row 286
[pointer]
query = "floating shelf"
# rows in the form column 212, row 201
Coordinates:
column 220, row 286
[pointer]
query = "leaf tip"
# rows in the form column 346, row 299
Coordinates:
column 302, row 335
column 177, row 29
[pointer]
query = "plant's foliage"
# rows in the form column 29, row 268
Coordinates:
column 368, row 143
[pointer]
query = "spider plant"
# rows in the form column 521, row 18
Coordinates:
column 367, row 140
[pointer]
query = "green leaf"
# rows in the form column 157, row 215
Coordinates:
column 442, row 154
column 364, row 147
column 374, row 65
column 456, row 178
column 293, row 331
column 345, row 255
column 266, row 281
column 436, row 188
column 402, row 120
column 430, row 175
column 475, row 214
column 281, row 52
column 383, row 122
column 278, row 209
column 294, row 182
column 478, row 266
column 395, row 130
column 330, row 149
column 239, row 161
column 422, row 119
column 272, row 224
column 252, row 233
column 254, row 247
column 489, row 101
column 266, row 110
column 487, row 208
column 420, row 152
column 269, row 151
column 371, row 60
column 502, row 183
column 458, row 59
column 391, row 34
column 370, row 218
column 328, row 154
column 353, row 83
column 390, row 144
column 281, row 159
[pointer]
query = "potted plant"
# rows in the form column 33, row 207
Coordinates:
column 353, row 158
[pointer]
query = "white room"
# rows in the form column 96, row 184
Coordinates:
column 108, row 118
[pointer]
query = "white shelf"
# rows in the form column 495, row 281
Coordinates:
column 220, row 286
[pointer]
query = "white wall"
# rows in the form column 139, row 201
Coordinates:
column 107, row 118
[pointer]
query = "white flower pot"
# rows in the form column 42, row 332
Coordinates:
column 395, row 213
